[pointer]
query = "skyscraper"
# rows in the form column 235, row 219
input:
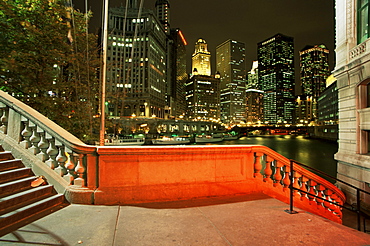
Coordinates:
column 314, row 69
column 252, row 77
column 276, row 78
column 203, row 97
column 137, row 63
column 230, row 63
column 201, row 59
column 163, row 13
column 177, row 64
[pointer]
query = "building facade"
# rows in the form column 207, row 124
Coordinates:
column 252, row 77
column 352, row 72
column 314, row 70
column 303, row 110
column 230, row 63
column 162, row 8
column 254, row 106
column 137, row 63
column 201, row 59
column 203, row 98
column 276, row 78
column 177, row 64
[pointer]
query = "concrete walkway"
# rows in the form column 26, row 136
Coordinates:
column 243, row 220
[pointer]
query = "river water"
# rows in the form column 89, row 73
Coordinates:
column 315, row 153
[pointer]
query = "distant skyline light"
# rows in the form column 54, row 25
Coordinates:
column 309, row 22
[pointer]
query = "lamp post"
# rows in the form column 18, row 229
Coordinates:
column 104, row 74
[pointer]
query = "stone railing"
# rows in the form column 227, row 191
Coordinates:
column 127, row 175
column 51, row 151
column 312, row 192
column 358, row 50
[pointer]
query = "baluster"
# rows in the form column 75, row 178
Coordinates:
column 268, row 170
column 286, row 179
column 34, row 140
column 277, row 175
column 61, row 159
column 304, row 185
column 296, row 185
column 327, row 204
column 70, row 165
column 26, row 134
column 4, row 119
column 320, row 194
column 257, row 165
column 337, row 210
column 52, row 152
column 312, row 191
column 80, row 170
column 42, row 146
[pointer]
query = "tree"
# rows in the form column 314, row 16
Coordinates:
column 49, row 61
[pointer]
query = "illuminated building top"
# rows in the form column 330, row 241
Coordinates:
column 163, row 12
column 201, row 60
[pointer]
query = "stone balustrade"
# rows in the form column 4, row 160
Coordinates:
column 127, row 175
column 50, row 150
column 312, row 192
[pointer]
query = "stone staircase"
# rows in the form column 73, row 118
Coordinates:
column 23, row 201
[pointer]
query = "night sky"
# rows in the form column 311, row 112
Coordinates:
column 308, row 21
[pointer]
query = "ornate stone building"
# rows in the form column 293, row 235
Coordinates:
column 353, row 80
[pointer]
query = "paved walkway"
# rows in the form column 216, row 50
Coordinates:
column 244, row 220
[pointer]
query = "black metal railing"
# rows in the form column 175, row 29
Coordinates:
column 356, row 208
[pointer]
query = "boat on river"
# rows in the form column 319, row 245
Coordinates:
column 230, row 137
column 208, row 138
column 171, row 140
column 124, row 140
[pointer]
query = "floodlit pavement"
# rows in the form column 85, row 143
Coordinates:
column 242, row 220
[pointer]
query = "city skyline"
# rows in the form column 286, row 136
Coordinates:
column 309, row 23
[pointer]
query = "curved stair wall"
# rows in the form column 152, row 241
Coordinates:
column 127, row 175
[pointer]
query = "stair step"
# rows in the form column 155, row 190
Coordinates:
column 6, row 155
column 10, row 164
column 27, row 214
column 20, row 199
column 14, row 174
column 16, row 186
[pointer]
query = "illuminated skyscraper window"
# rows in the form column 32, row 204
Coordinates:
column 314, row 69
column 276, row 78
column 230, row 63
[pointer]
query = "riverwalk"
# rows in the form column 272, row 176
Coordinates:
column 238, row 220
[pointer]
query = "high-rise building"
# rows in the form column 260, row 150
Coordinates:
column 201, row 59
column 303, row 110
column 314, row 70
column 254, row 106
column 230, row 63
column 252, row 77
column 137, row 63
column 203, row 97
column 163, row 13
column 276, row 78
column 177, row 64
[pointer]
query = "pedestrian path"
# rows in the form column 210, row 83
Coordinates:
column 242, row 220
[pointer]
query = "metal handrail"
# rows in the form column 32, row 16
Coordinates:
column 358, row 192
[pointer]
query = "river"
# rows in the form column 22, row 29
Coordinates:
column 315, row 153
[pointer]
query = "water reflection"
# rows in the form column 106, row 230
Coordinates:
column 316, row 153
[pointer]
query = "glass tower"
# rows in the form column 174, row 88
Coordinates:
column 178, row 72
column 230, row 63
column 276, row 78
column 314, row 69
